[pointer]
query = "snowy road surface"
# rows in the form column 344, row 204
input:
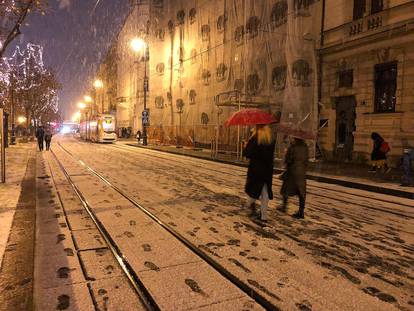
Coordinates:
column 354, row 250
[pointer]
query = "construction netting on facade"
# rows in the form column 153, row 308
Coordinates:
column 211, row 58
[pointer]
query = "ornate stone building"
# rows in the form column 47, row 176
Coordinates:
column 368, row 77
column 209, row 58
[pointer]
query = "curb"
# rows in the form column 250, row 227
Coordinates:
column 329, row 180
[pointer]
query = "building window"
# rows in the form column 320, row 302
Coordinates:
column 385, row 87
column 359, row 9
column 377, row 6
column 346, row 78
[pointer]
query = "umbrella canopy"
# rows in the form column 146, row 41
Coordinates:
column 250, row 117
column 295, row 131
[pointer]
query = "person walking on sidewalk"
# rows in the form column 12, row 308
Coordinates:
column 379, row 153
column 48, row 138
column 260, row 151
column 139, row 136
column 40, row 134
column 294, row 178
column 408, row 157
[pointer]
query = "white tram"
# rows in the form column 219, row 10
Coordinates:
column 99, row 128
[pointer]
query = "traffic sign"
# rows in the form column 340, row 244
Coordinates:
column 145, row 118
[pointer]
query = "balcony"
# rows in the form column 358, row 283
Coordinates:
column 366, row 24
column 388, row 22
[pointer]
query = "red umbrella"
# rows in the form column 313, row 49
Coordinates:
column 292, row 130
column 250, row 117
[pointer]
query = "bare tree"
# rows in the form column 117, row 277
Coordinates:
column 12, row 16
column 32, row 86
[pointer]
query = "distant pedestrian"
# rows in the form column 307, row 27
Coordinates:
column 408, row 157
column 294, row 178
column 139, row 136
column 379, row 154
column 40, row 134
column 48, row 138
column 260, row 151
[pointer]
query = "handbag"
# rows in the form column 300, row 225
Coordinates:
column 385, row 147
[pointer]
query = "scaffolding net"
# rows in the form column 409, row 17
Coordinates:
column 210, row 58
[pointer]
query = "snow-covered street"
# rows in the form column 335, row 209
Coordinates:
column 354, row 250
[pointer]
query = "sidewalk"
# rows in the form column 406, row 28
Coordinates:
column 17, row 158
column 344, row 174
column 17, row 219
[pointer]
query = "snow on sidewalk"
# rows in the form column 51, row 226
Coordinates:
column 17, row 158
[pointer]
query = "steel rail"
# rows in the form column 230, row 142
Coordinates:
column 133, row 278
column 249, row 291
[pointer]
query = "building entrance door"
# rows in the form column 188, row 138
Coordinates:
column 345, row 126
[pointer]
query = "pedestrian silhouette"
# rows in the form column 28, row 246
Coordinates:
column 260, row 151
column 48, row 138
column 139, row 136
column 379, row 153
column 40, row 134
column 294, row 178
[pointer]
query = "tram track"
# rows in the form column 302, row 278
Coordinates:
column 327, row 192
column 150, row 302
column 134, row 280
column 174, row 173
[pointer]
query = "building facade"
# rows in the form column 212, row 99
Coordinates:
column 367, row 59
column 208, row 59
column 105, row 97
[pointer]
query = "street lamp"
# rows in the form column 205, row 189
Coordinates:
column 81, row 105
column 98, row 84
column 76, row 116
column 21, row 119
column 87, row 98
column 138, row 45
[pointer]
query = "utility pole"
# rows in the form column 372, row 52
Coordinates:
column 2, row 147
column 12, row 113
column 145, row 116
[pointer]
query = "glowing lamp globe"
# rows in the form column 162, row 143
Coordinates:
column 137, row 45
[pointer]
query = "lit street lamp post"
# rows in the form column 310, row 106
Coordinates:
column 137, row 46
column 86, row 108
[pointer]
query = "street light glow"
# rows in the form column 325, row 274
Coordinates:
column 21, row 119
column 81, row 105
column 98, row 84
column 76, row 116
column 88, row 99
column 137, row 44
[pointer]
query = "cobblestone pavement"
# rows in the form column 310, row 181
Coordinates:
column 355, row 250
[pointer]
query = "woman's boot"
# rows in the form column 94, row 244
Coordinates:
column 252, row 209
column 300, row 214
column 283, row 207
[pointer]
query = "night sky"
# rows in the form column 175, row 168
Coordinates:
column 76, row 34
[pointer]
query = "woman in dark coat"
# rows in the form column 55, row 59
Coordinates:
column 378, row 158
column 294, row 178
column 260, row 151
column 48, row 138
